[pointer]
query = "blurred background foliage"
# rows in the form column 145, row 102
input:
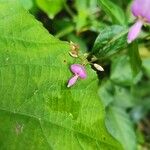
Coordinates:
column 100, row 27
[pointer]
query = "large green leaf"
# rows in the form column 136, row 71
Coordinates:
column 37, row 111
column 27, row 4
column 119, row 125
column 114, row 11
column 109, row 41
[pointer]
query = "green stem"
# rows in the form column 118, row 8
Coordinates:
column 70, row 12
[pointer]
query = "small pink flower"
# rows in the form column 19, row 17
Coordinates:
column 141, row 10
column 79, row 72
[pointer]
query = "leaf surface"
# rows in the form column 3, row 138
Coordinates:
column 51, row 7
column 110, row 41
column 119, row 125
column 114, row 11
column 37, row 111
column 135, row 60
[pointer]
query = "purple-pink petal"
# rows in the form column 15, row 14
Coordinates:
column 72, row 81
column 141, row 8
column 79, row 70
column 134, row 31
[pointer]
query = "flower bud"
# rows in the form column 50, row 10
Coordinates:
column 98, row 67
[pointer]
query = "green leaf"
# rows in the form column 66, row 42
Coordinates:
column 114, row 11
column 109, row 41
column 112, row 94
column 27, row 4
column 135, row 59
column 119, row 125
column 123, row 97
column 141, row 91
column 82, row 15
column 122, row 73
column 85, row 10
column 106, row 92
column 146, row 66
column 51, row 7
column 37, row 110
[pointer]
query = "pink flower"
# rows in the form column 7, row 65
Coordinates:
column 79, row 72
column 141, row 10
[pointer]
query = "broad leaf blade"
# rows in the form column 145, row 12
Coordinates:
column 27, row 4
column 36, row 108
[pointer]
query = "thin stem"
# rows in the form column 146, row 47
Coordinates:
column 70, row 12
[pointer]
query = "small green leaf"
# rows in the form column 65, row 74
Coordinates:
column 109, row 41
column 114, row 11
column 141, row 90
column 51, row 7
column 146, row 66
column 37, row 110
column 121, row 72
column 135, row 59
column 112, row 94
column 123, row 97
column 106, row 92
column 119, row 125
column 85, row 8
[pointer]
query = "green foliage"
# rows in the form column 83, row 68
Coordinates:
column 113, row 94
column 114, row 11
column 83, row 13
column 85, row 9
column 120, row 126
column 108, row 110
column 121, row 72
column 135, row 59
column 28, row 4
column 146, row 68
column 106, row 92
column 109, row 41
column 50, row 7
column 36, row 108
